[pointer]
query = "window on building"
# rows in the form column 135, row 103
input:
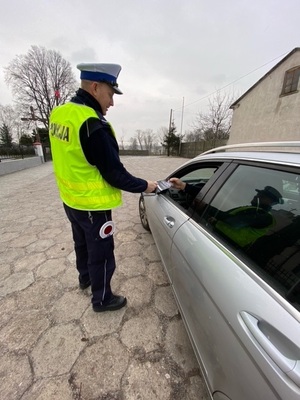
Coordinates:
column 291, row 79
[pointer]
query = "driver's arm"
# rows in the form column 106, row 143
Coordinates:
column 185, row 187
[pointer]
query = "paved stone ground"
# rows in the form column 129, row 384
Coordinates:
column 52, row 345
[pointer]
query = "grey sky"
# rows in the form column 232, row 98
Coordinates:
column 168, row 49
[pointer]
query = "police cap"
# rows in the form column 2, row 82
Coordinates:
column 107, row 73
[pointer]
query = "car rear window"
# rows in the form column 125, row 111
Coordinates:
column 257, row 214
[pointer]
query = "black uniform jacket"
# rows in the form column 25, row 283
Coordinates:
column 101, row 149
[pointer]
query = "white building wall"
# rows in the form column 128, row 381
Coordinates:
column 263, row 114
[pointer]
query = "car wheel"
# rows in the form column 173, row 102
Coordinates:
column 143, row 214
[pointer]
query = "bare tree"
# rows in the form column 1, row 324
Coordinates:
column 40, row 80
column 149, row 138
column 193, row 135
column 216, row 122
column 161, row 133
column 10, row 116
column 133, row 144
column 139, row 137
column 6, row 138
column 7, row 115
column 122, row 138
column 145, row 139
column 159, row 139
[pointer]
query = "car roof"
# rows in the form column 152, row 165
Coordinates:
column 270, row 152
column 278, row 158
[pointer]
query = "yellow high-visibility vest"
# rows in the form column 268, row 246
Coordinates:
column 80, row 184
column 246, row 235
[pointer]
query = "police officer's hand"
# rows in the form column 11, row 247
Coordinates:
column 152, row 185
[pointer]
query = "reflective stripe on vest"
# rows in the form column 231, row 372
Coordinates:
column 245, row 235
column 80, row 184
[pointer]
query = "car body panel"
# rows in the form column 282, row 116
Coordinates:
column 164, row 220
column 211, row 287
column 246, row 336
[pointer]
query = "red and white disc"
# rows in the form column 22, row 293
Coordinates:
column 107, row 229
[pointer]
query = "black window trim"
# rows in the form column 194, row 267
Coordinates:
column 242, row 259
column 222, row 166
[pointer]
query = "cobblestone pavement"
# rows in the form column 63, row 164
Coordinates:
column 52, row 345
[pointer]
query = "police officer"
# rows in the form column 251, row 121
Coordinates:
column 90, row 177
column 245, row 224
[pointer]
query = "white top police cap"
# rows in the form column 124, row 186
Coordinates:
column 107, row 73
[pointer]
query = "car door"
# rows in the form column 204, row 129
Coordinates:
column 164, row 218
column 168, row 210
column 245, row 333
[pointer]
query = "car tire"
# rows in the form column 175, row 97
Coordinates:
column 143, row 214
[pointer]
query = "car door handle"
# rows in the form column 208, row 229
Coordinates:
column 282, row 352
column 169, row 221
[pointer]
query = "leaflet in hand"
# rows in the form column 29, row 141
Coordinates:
column 163, row 185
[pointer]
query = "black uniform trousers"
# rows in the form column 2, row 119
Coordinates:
column 95, row 260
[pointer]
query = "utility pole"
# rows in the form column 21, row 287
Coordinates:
column 182, row 116
column 170, row 123
column 180, row 136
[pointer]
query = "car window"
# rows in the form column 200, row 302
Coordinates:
column 257, row 214
column 195, row 178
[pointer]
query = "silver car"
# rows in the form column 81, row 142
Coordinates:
column 230, row 245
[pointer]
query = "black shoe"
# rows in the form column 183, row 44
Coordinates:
column 115, row 303
column 84, row 285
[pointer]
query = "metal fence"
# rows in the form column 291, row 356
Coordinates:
column 187, row 150
column 193, row 149
column 16, row 152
